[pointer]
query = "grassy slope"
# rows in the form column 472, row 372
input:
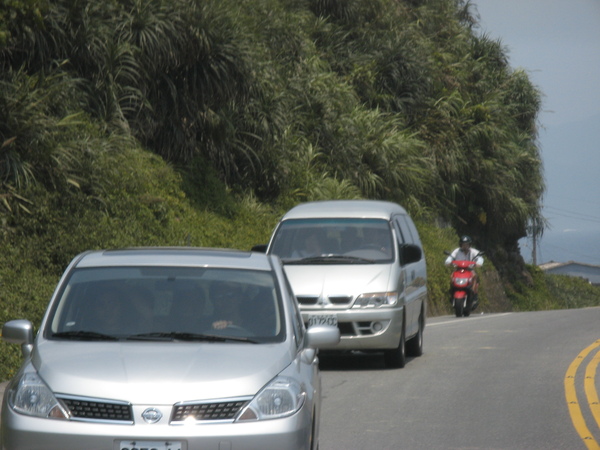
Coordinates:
column 139, row 210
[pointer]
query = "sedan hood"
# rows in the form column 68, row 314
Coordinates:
column 158, row 373
column 333, row 280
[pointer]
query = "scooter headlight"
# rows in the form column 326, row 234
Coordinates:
column 461, row 281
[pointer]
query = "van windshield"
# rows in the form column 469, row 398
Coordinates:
column 333, row 241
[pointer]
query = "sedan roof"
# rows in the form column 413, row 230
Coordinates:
column 175, row 256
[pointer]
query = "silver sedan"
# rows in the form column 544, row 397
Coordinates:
column 167, row 349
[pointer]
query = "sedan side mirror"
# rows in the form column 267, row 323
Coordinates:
column 322, row 336
column 19, row 332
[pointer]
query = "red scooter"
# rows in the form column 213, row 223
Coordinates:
column 463, row 286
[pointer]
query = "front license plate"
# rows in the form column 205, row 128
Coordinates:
column 150, row 445
column 322, row 319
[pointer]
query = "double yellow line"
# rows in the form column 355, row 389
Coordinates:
column 590, row 393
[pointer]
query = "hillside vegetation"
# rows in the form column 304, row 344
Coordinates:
column 182, row 122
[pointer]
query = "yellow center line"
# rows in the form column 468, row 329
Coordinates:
column 573, row 403
column 590, row 387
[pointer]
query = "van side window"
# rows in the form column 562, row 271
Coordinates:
column 298, row 323
column 402, row 238
column 413, row 231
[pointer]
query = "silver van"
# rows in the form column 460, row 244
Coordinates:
column 357, row 264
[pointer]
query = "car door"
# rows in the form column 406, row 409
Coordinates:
column 414, row 275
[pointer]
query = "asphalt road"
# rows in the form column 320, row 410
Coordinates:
column 484, row 382
column 503, row 381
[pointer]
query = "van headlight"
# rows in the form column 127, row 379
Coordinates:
column 282, row 397
column 376, row 300
column 31, row 396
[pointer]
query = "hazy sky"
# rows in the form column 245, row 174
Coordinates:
column 558, row 44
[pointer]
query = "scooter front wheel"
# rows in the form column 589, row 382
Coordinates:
column 468, row 308
column 458, row 307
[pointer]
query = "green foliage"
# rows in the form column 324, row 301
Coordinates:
column 553, row 292
column 177, row 122
column 21, row 12
column 400, row 101
column 435, row 241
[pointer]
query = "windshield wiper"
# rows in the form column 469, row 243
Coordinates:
column 185, row 336
column 330, row 259
column 85, row 336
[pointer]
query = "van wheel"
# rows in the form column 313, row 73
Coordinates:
column 414, row 346
column 396, row 358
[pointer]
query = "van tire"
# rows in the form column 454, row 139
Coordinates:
column 396, row 358
column 414, row 346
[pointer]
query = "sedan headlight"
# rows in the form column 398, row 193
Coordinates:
column 31, row 396
column 376, row 300
column 282, row 397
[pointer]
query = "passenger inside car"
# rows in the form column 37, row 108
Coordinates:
column 310, row 244
column 380, row 239
column 109, row 313
column 142, row 301
column 350, row 240
column 189, row 311
column 264, row 322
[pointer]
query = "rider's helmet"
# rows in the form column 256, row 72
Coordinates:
column 465, row 240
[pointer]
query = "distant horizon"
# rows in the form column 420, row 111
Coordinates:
column 554, row 43
column 563, row 247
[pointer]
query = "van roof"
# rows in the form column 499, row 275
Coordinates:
column 345, row 208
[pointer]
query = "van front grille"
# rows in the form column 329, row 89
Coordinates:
column 340, row 300
column 304, row 300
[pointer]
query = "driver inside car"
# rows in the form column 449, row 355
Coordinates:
column 227, row 300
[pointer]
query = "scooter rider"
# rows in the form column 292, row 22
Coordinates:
column 465, row 252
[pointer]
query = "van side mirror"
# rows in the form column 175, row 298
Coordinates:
column 410, row 253
column 261, row 248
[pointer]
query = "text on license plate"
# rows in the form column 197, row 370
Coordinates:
column 150, row 445
column 322, row 319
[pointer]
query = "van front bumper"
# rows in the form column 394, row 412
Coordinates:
column 364, row 328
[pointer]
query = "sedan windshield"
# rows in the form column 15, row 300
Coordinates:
column 168, row 304
column 333, row 241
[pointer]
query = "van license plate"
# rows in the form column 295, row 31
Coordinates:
column 150, row 445
column 322, row 319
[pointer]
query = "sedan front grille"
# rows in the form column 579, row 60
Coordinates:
column 223, row 410
column 98, row 410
